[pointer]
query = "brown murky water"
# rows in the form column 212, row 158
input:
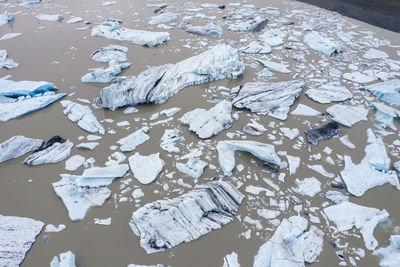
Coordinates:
column 50, row 55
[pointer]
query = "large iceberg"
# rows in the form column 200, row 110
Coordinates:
column 164, row 224
column 323, row 45
column 83, row 115
column 157, row 84
column 272, row 98
column 272, row 37
column 226, row 153
column 146, row 168
column 66, row 259
column 347, row 115
column 79, row 193
column 326, row 132
column 291, row 245
column 328, row 93
column 111, row 52
column 112, row 30
column 347, row 215
column 133, row 140
column 17, row 234
column 211, row 29
column 206, row 123
column 56, row 150
column 390, row 254
column 17, row 146
column 388, row 91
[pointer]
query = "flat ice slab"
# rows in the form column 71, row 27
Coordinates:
column 388, row 91
column 17, row 235
column 211, row 29
column 6, row 62
column 46, row 17
column 328, row 93
column 303, row 110
column 321, row 44
column 17, row 146
column 66, row 259
column 111, row 52
column 390, row 254
column 56, row 150
column 157, row 84
column 146, row 168
column 164, row 224
column 133, row 140
column 193, row 167
column 347, row 115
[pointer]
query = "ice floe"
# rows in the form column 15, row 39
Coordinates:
column 273, row 66
column 303, row 110
column 255, row 25
column 133, row 140
column 165, row 224
column 6, row 17
column 358, row 77
column 17, row 146
column 146, row 168
column 373, row 53
column 231, row 260
column 166, row 17
column 255, row 47
column 11, row 35
column 386, row 115
column 388, row 91
column 336, row 196
column 294, row 164
column 390, row 254
column 321, row 44
column 211, row 29
column 347, row 115
column 107, row 75
column 193, row 167
column 56, row 150
column 46, row 17
column 328, row 93
column 272, row 37
column 90, row 145
column 307, row 187
column 326, row 132
column 50, row 228
column 254, row 129
column 111, row 52
column 74, row 162
column 169, row 140
column 5, row 62
column 346, row 141
column 66, row 259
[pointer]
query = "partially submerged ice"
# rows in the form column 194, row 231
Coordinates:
column 166, row 17
column 326, row 132
column 56, row 150
column 211, row 29
column 169, row 140
column 386, row 115
column 390, row 254
column 133, row 140
column 226, row 153
column 111, row 52
column 107, row 75
column 157, row 84
column 255, row 25
column 46, row 17
column 321, row 44
column 66, row 259
column 328, row 93
column 193, row 167
column 291, row 245
column 271, row 98
column 6, row 62
column 79, row 193
column 347, row 215
column 388, row 91
column 347, row 115
column 164, row 224
column 112, row 30
column 6, row 17
column 206, row 123
column 303, row 110
column 17, row 234
column 17, row 146
column 83, row 115
column 254, row 128
column 146, row 168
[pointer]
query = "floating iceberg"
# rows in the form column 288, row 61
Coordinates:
column 254, row 129
column 272, row 37
column 326, row 132
column 328, row 93
column 157, row 84
column 45, row 17
column 56, row 150
column 74, row 20
column 90, row 145
column 17, row 146
column 133, row 140
column 303, row 110
column 390, row 254
column 166, row 17
column 164, row 224
column 193, row 167
column 226, row 153
column 11, row 35
column 5, row 62
column 388, row 91
column 347, row 215
column 255, row 47
column 111, row 52
column 112, row 30
column 373, row 53
column 386, row 115
column 66, row 259
column 74, row 162
column 290, row 133
column 273, row 66
column 358, row 77
column 272, row 98
column 206, row 123
column 294, row 164
column 83, row 115
column 321, row 44
column 231, row 260
column 291, row 245
column 17, row 234
column 107, row 75
column 336, row 196
column 79, row 193
column 346, row 141
column 255, row 25
column 307, row 187
column 169, row 140
column 347, row 115
column 239, row 14
column 146, row 168
column 321, row 170
column 6, row 17
column 211, row 29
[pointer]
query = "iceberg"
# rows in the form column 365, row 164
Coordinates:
column 328, row 93
column 17, row 146
column 273, row 66
column 321, row 170
column 326, row 132
column 390, row 254
column 231, row 260
column 388, row 91
column 157, row 84
column 17, row 235
column 323, row 45
column 56, row 150
column 74, row 20
column 146, row 168
column 358, row 77
column 346, row 141
column 74, row 162
column 347, row 115
column 272, row 37
column 79, row 193
column 169, row 140
column 386, row 115
column 46, row 17
column 193, row 167
column 83, row 115
column 5, row 62
column 211, row 29
column 336, row 196
column 166, row 17
column 206, row 123
column 66, row 259
column 255, row 47
column 347, row 215
column 11, row 35
column 111, row 52
column 254, row 129
column 291, row 245
column 164, row 224
column 294, row 164
column 373, row 53
column 290, row 133
column 90, row 145
column 226, row 153
column 303, row 110
column 133, row 140
column 307, row 187
column 112, row 30
column 271, row 98
column 6, row 17
column 107, row 75
column 239, row 14
column 255, row 25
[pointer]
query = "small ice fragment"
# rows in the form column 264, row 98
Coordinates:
column 146, row 168
column 74, row 162
column 193, row 167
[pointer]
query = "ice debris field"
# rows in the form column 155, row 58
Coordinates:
column 173, row 133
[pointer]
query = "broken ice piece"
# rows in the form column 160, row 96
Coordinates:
column 346, row 141
column 211, row 29
column 46, row 17
column 255, row 47
column 170, row 111
column 347, row 215
column 326, row 132
column 347, row 115
column 169, row 140
column 321, row 170
column 390, row 255
column 166, row 17
column 111, row 52
column 254, row 129
column 133, row 140
column 231, row 260
column 323, row 45
column 328, row 93
column 303, row 110
column 358, row 77
column 373, row 53
column 102, row 221
column 336, row 196
column 307, row 187
column 5, row 62
column 164, row 224
column 56, row 150
column 290, row 133
column 385, row 115
column 255, row 25
column 66, row 259
column 294, row 164
column 54, row 229
column 193, row 167
column 90, row 145
column 272, row 37
column 146, row 168
column 17, row 146
column 388, row 91
column 273, row 66
column 6, row 17
column 107, row 75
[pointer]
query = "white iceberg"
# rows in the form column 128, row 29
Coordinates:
column 328, row 93
column 74, row 162
column 255, row 25
column 255, row 47
column 231, row 260
column 272, row 37
column 358, row 77
column 211, row 29
column 254, row 129
column 6, row 17
column 323, row 45
column 193, row 167
column 56, row 150
column 307, row 187
column 169, row 140
column 46, row 17
column 373, row 53
column 146, row 168
column 386, row 115
column 346, row 141
column 166, row 17
column 111, row 52
column 133, row 140
column 17, row 146
column 273, row 66
column 11, row 35
column 390, row 254
column 107, row 75
column 66, row 259
column 5, row 62
column 388, row 91
column 303, row 110
column 294, row 164
column 90, row 145
column 336, row 196
column 347, row 115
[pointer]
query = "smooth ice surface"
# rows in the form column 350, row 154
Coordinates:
column 274, row 66
column 336, row 196
column 255, row 47
column 307, row 187
column 90, row 145
column 50, row 228
column 321, row 44
column 211, row 29
column 255, row 25
column 193, row 167
column 56, row 150
column 6, row 62
column 326, row 132
column 206, row 123
column 373, row 53
column 272, row 37
column 294, row 164
column 347, row 215
column 169, row 140
column 303, row 110
column 79, row 193
column 231, row 260
column 226, row 153
column 167, row 223
column 166, row 17
column 74, row 162
column 347, row 115
column 106, row 75
column 346, row 141
column 254, row 128
column 112, row 30
column 157, row 84
column 290, row 133
column 17, row 146
column 291, row 245
column 272, row 98
column 11, row 35
column 111, row 52
column 386, row 115
column 358, row 77
column 46, row 17
column 390, row 254
column 83, row 115
column 66, row 259
column 17, row 234
column 146, row 168
column 388, row 91
column 133, row 140
column 328, row 93
column 321, row 170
